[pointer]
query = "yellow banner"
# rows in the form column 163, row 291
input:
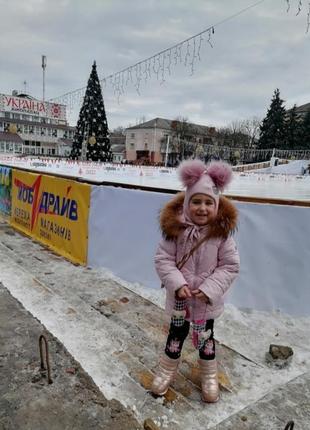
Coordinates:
column 52, row 210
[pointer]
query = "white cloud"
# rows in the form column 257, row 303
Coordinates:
column 254, row 53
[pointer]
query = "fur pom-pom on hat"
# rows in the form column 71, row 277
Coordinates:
column 190, row 171
column 221, row 173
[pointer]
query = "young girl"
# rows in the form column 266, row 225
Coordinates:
column 197, row 261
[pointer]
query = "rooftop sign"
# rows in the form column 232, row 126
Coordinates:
column 30, row 106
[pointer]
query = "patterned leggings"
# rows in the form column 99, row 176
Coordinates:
column 177, row 335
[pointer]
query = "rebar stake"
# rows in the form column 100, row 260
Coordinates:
column 41, row 338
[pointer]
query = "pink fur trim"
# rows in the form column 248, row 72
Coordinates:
column 220, row 172
column 190, row 172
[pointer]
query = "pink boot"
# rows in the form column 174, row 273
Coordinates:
column 165, row 374
column 209, row 381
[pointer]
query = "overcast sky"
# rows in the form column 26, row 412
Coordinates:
column 257, row 51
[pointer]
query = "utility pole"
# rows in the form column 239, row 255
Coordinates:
column 154, row 141
column 167, row 150
column 43, row 68
column 84, row 144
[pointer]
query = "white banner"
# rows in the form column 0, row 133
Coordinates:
column 273, row 242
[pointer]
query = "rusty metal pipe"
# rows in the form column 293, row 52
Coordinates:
column 41, row 339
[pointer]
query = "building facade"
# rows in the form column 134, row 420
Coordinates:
column 164, row 141
column 32, row 127
column 302, row 110
column 117, row 142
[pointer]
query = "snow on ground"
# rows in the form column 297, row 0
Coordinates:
column 258, row 328
column 93, row 341
column 297, row 167
column 282, row 186
column 60, row 296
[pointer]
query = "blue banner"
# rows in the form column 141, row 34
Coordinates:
column 5, row 190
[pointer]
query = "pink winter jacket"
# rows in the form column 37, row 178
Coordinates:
column 213, row 266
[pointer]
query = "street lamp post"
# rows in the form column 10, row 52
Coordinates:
column 84, row 144
column 167, row 150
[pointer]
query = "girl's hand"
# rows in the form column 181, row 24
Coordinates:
column 184, row 292
column 200, row 295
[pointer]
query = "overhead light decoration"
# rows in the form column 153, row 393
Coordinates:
column 160, row 65
column 13, row 128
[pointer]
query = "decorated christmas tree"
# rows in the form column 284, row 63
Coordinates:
column 91, row 140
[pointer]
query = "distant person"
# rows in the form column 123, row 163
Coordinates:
column 197, row 261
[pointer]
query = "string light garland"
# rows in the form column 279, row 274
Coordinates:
column 299, row 9
column 250, row 154
column 308, row 18
column 159, row 65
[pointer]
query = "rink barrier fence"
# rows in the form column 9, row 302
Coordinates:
column 272, row 238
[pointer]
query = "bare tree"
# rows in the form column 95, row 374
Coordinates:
column 240, row 133
column 141, row 120
column 184, row 138
column 251, row 127
column 120, row 130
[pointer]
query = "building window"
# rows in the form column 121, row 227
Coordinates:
column 10, row 147
column 7, row 115
column 18, row 148
column 132, row 135
column 132, row 145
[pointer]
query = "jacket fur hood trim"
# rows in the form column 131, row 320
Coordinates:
column 172, row 225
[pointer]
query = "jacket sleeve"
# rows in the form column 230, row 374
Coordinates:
column 224, row 274
column 165, row 265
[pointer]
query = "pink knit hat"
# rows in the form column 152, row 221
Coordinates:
column 199, row 178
